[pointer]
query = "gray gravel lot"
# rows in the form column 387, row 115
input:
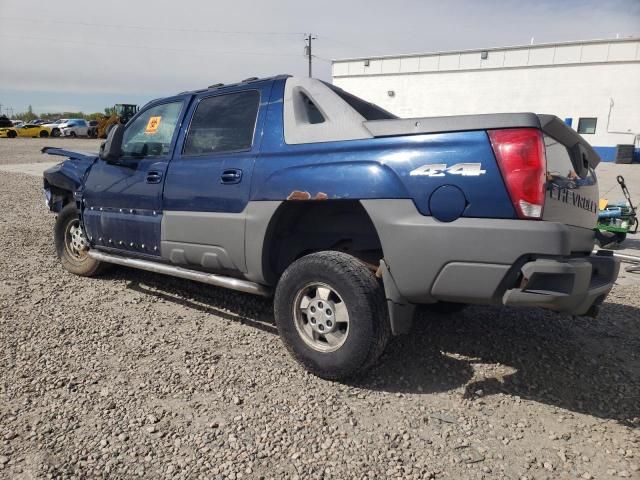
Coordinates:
column 27, row 150
column 139, row 375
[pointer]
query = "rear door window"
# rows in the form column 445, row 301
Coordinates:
column 151, row 133
column 223, row 123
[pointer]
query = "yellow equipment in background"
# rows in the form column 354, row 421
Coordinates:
column 121, row 113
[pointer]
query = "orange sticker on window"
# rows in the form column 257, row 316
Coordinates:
column 152, row 125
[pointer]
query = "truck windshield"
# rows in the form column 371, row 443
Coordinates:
column 370, row 111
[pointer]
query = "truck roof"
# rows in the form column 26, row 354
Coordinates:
column 248, row 81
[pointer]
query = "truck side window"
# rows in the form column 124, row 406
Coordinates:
column 151, row 134
column 223, row 123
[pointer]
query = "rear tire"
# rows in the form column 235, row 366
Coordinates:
column 67, row 236
column 331, row 314
column 44, row 134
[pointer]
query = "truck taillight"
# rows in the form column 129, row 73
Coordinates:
column 520, row 155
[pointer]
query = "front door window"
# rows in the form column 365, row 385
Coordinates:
column 151, row 134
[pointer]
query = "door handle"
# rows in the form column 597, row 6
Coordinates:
column 231, row 176
column 154, row 176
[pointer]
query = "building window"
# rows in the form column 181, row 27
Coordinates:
column 587, row 125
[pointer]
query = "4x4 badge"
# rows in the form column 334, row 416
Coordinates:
column 441, row 169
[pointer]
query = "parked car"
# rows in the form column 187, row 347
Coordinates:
column 348, row 215
column 74, row 127
column 5, row 122
column 55, row 126
column 25, row 131
column 17, row 123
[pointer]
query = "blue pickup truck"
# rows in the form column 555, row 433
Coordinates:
column 349, row 216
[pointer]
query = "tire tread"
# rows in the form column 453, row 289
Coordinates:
column 366, row 287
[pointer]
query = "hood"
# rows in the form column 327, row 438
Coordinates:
column 69, row 174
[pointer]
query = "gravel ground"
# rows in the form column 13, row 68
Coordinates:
column 27, row 150
column 140, row 375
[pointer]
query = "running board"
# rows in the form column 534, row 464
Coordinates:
column 209, row 278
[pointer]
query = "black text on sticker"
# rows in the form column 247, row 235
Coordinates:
column 441, row 169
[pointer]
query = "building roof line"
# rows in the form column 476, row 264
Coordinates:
column 489, row 49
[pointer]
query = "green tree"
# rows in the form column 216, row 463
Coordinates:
column 30, row 116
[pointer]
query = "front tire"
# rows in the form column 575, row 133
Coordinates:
column 11, row 134
column 331, row 314
column 55, row 132
column 71, row 246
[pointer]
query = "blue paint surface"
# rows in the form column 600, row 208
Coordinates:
column 447, row 203
column 377, row 167
column 193, row 183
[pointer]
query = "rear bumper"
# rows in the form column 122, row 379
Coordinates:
column 489, row 261
column 572, row 285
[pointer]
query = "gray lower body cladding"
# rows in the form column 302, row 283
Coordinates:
column 480, row 260
column 219, row 241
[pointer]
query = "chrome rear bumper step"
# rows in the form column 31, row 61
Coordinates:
column 209, row 278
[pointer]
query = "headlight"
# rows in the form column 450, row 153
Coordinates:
column 47, row 197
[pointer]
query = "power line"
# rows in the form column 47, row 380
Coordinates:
column 143, row 27
column 146, row 47
column 344, row 44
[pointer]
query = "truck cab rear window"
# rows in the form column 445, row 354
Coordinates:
column 370, row 111
column 223, row 123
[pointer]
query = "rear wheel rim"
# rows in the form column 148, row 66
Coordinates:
column 321, row 317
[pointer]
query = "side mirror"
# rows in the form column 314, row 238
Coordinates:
column 111, row 149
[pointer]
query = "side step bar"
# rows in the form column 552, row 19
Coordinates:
column 209, row 278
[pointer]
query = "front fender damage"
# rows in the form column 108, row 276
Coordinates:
column 63, row 182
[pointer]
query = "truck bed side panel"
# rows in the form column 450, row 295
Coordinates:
column 378, row 168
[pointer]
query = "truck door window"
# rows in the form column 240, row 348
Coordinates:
column 151, row 134
column 223, row 123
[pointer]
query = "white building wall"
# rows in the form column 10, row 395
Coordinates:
column 590, row 79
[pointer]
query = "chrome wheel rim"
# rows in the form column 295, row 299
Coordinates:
column 321, row 317
column 75, row 242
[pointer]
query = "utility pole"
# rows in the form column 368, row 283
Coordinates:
column 308, row 39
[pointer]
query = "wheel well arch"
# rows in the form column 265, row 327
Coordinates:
column 298, row 228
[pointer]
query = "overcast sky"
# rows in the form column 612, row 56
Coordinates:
column 85, row 55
